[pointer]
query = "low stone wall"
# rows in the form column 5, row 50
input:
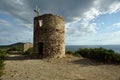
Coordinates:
column 26, row 46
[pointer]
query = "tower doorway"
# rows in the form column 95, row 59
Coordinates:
column 40, row 49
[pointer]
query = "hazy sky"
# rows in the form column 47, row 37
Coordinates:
column 88, row 22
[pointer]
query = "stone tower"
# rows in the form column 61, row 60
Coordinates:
column 49, row 36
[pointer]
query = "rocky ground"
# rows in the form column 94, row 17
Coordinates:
column 69, row 68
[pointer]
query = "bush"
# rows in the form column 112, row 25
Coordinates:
column 1, row 67
column 72, row 53
column 69, row 52
column 3, row 54
column 14, row 49
column 100, row 54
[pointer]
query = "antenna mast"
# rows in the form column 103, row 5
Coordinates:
column 37, row 10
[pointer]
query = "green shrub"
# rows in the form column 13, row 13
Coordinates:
column 69, row 52
column 1, row 67
column 100, row 54
column 3, row 54
column 72, row 53
column 14, row 49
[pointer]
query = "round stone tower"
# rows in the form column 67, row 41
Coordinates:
column 49, row 36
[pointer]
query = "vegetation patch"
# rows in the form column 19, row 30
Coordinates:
column 3, row 55
column 98, row 54
column 14, row 49
column 73, row 53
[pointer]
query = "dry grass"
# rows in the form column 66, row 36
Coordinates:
column 69, row 68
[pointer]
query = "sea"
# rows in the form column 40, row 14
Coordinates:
column 116, row 48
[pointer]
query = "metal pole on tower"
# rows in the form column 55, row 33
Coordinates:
column 37, row 13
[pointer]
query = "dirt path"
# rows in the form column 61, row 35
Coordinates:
column 69, row 68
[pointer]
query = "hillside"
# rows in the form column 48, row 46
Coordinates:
column 11, row 45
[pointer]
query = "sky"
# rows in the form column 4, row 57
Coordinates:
column 87, row 22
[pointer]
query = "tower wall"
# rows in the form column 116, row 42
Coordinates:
column 51, row 33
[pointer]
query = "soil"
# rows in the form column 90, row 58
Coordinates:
column 19, row 67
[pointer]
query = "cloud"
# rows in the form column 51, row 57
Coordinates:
column 91, row 14
column 23, row 9
column 117, row 25
column 80, row 28
column 71, row 10
column 17, row 9
column 29, row 26
column 4, row 22
column 89, row 9
column 107, row 6
column 114, row 7
column 15, row 35
column 99, row 7
column 78, row 14
column 86, row 28
column 112, row 38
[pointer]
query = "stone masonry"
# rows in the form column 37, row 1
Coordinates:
column 49, row 36
column 26, row 46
